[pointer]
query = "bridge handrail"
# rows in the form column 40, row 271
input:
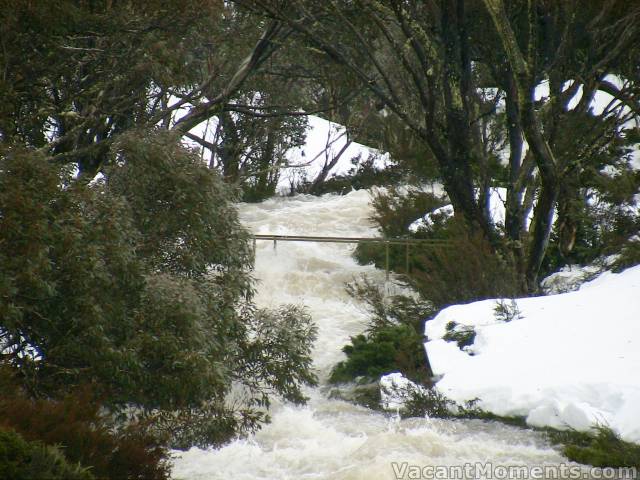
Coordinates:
column 326, row 239
column 407, row 242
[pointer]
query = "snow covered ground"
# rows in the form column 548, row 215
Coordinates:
column 325, row 141
column 565, row 360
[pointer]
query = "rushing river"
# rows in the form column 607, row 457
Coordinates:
column 333, row 439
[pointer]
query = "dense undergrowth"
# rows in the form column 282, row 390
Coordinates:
column 126, row 312
column 24, row 460
column 393, row 339
column 467, row 269
column 601, row 447
column 71, row 436
column 390, row 348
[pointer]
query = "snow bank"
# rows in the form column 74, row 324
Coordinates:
column 396, row 389
column 324, row 141
column 567, row 360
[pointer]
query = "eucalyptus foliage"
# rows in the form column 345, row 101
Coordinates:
column 139, row 283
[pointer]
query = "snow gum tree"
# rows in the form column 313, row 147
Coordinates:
column 498, row 94
column 139, row 284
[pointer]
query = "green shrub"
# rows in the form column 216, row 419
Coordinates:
column 471, row 410
column 367, row 395
column 386, row 310
column 604, row 226
column 463, row 335
column 140, row 285
column 22, row 460
column 604, row 448
column 76, row 424
column 468, row 268
column 629, row 256
column 427, row 402
column 15, row 454
column 387, row 349
column 392, row 341
column 395, row 210
column 362, row 174
column 506, row 312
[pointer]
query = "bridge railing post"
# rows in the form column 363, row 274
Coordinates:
column 406, row 260
column 386, row 263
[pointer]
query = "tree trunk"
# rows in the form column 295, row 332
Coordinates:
column 461, row 144
column 521, row 77
column 229, row 149
column 515, row 214
column 543, row 220
column 322, row 176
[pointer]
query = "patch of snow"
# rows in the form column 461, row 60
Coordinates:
column 99, row 178
column 570, row 360
column 427, row 220
column 541, row 91
column 324, row 141
column 568, row 279
column 497, row 201
column 395, row 390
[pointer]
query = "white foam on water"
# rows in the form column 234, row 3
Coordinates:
column 328, row 438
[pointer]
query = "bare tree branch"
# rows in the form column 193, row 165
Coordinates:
column 263, row 50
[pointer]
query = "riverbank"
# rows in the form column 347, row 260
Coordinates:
column 564, row 361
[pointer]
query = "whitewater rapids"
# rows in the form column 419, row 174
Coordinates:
column 328, row 438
